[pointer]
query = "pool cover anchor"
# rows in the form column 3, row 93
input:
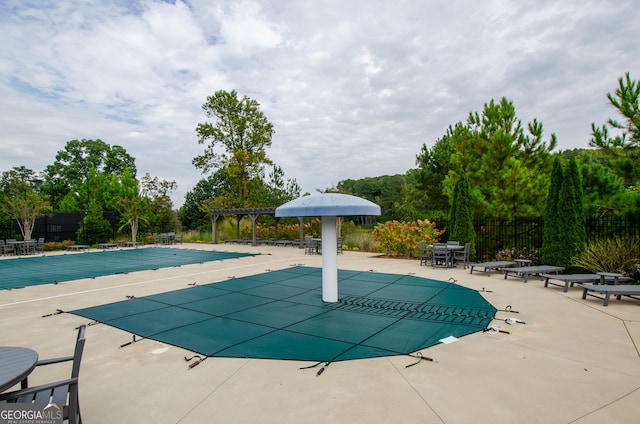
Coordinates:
column 57, row 312
column 321, row 370
column 197, row 362
column 132, row 341
column 421, row 358
column 495, row 329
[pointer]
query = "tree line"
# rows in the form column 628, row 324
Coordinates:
column 506, row 164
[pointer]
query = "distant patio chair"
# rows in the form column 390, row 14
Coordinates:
column 5, row 249
column 425, row 253
column 310, row 245
column 39, row 248
column 440, row 256
column 28, row 247
column 462, row 255
column 63, row 394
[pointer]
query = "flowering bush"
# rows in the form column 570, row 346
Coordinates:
column 403, row 238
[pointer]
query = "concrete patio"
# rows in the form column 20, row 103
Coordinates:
column 574, row 361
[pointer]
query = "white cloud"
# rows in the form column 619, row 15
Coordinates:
column 353, row 88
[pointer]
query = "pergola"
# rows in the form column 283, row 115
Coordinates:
column 252, row 213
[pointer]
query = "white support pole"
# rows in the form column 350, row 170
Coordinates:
column 329, row 259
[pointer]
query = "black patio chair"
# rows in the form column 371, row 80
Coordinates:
column 64, row 393
column 425, row 253
column 462, row 255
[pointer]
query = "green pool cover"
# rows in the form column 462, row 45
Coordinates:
column 34, row 270
column 281, row 315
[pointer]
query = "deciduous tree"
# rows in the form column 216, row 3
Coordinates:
column 244, row 134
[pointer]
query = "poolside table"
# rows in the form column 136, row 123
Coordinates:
column 525, row 271
column 16, row 363
column 612, row 276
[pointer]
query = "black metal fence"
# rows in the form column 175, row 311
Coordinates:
column 493, row 235
column 59, row 227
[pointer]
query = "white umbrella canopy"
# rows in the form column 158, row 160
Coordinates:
column 328, row 206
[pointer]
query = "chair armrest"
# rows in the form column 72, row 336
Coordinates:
column 54, row 360
column 36, row 389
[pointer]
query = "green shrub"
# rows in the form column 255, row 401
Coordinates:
column 519, row 253
column 360, row 239
column 618, row 254
column 403, row 238
column 51, row 246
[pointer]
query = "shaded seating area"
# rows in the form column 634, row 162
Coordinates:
column 63, row 393
column 167, row 238
column 444, row 255
column 21, row 247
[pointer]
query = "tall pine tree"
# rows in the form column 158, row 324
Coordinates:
column 551, row 240
column 571, row 219
column 462, row 215
column 564, row 222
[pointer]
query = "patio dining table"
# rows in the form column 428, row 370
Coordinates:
column 16, row 363
column 447, row 250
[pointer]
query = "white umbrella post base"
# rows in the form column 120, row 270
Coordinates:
column 329, row 259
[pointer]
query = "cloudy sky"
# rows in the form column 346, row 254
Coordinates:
column 353, row 88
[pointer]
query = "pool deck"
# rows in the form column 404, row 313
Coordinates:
column 574, row 361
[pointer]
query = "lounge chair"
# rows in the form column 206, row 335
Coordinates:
column 64, row 393
column 570, row 279
column 490, row 266
column 607, row 290
column 525, row 271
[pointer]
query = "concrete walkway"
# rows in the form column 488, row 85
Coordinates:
column 574, row 361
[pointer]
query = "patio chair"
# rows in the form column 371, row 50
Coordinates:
column 5, row 249
column 340, row 241
column 310, row 245
column 64, row 393
column 39, row 247
column 28, row 247
column 425, row 253
column 462, row 255
column 440, row 256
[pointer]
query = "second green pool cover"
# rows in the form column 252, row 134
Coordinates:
column 281, row 315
